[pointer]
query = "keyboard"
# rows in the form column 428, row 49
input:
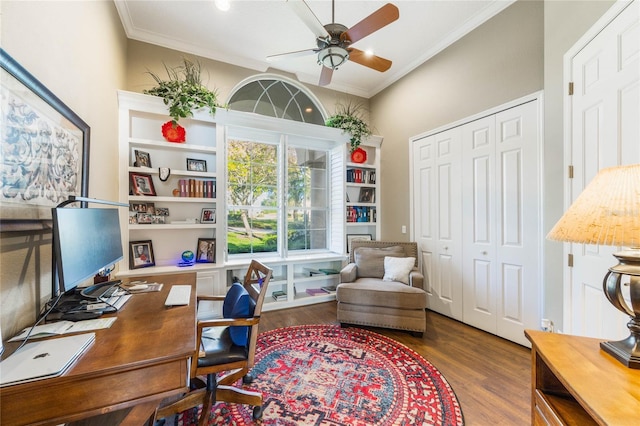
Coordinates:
column 178, row 295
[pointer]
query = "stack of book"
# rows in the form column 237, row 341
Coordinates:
column 279, row 296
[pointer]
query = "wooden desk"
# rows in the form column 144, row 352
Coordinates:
column 141, row 359
column 575, row 383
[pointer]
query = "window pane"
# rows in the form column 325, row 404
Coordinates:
column 252, row 230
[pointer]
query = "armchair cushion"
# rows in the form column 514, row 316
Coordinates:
column 237, row 304
column 370, row 260
column 398, row 268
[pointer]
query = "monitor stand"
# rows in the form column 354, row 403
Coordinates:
column 96, row 291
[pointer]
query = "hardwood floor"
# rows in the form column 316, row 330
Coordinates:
column 491, row 376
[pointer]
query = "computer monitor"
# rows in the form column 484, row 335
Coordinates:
column 86, row 241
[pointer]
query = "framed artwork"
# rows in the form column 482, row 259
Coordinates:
column 45, row 150
column 141, row 254
column 367, row 195
column 142, row 184
column 206, row 252
column 208, row 216
column 143, row 159
column 357, row 237
column 196, row 165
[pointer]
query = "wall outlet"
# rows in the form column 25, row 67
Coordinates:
column 404, row 229
column 546, row 325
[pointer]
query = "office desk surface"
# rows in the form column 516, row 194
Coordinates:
column 142, row 358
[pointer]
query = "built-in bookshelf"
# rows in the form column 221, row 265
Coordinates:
column 362, row 193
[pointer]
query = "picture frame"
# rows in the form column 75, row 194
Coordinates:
column 162, row 211
column 142, row 159
column 141, row 254
column 208, row 215
column 367, row 195
column 357, row 237
column 206, row 250
column 32, row 116
column 194, row 165
column 142, row 184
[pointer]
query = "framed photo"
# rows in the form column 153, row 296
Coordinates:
column 206, row 252
column 367, row 195
column 145, row 218
column 357, row 237
column 143, row 159
column 162, row 211
column 208, row 216
column 141, row 254
column 142, row 184
column 196, row 165
column 45, row 150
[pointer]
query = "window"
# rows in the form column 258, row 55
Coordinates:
column 257, row 217
column 276, row 96
column 306, row 199
column 252, row 197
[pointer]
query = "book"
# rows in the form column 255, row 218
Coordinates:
column 313, row 272
column 315, row 291
column 279, row 295
column 329, row 271
column 64, row 327
column 331, row 289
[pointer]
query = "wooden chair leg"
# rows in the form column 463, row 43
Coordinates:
column 206, row 409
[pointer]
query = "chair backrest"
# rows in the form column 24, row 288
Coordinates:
column 410, row 248
column 256, row 282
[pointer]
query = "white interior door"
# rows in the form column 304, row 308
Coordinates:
column 603, row 131
column 501, row 225
column 436, row 171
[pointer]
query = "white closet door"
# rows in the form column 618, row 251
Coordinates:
column 604, row 132
column 518, row 233
column 436, row 169
column 479, row 224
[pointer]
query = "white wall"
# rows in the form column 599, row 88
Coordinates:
column 78, row 51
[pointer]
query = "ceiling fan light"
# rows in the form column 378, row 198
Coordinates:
column 332, row 57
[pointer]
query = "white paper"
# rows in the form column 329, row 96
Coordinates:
column 64, row 327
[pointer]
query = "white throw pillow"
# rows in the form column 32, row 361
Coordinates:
column 398, row 268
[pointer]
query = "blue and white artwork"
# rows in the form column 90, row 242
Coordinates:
column 41, row 154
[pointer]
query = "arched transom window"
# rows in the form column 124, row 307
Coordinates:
column 276, row 96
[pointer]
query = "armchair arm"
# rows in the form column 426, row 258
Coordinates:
column 416, row 279
column 225, row 322
column 348, row 274
column 213, row 298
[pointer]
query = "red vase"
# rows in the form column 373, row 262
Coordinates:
column 358, row 155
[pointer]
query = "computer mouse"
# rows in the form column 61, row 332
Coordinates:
column 138, row 287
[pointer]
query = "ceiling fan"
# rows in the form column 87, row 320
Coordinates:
column 334, row 40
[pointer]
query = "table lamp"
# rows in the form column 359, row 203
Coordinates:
column 607, row 213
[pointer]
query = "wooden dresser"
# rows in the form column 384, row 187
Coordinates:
column 575, row 383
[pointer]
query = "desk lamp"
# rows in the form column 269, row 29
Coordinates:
column 607, row 213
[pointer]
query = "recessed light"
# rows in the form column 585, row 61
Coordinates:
column 223, row 5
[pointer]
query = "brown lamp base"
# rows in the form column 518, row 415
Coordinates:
column 626, row 351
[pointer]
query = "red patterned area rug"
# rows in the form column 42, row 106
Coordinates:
column 328, row 375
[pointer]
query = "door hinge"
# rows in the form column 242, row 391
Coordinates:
column 570, row 172
column 570, row 261
column 570, row 88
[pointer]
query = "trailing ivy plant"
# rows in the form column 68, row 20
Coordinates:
column 349, row 118
column 184, row 92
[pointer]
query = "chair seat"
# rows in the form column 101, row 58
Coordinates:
column 219, row 349
column 374, row 292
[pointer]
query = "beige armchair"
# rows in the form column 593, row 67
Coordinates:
column 372, row 295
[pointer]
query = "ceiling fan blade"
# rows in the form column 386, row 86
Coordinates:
column 307, row 16
column 288, row 55
column 372, row 61
column 372, row 23
column 325, row 76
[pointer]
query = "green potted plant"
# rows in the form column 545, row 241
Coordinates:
column 349, row 118
column 183, row 93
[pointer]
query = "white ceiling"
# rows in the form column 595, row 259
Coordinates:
column 252, row 30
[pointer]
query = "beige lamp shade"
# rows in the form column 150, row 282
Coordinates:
column 607, row 212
